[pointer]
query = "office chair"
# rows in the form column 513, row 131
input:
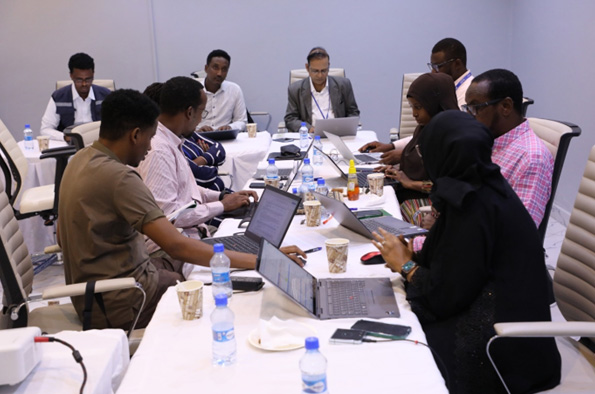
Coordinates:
column 302, row 73
column 556, row 135
column 106, row 83
column 37, row 201
column 263, row 125
column 526, row 103
column 574, row 287
column 84, row 134
column 16, row 271
column 407, row 123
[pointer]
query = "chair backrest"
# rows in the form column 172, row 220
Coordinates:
column 106, row 83
column 15, row 161
column 574, row 279
column 556, row 136
column 16, row 268
column 407, row 124
column 199, row 75
column 301, row 73
column 85, row 134
column 526, row 103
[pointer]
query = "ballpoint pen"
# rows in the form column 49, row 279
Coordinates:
column 313, row 250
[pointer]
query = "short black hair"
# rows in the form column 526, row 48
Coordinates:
column 318, row 53
column 82, row 61
column 153, row 91
column 218, row 53
column 452, row 48
column 124, row 110
column 502, row 84
column 178, row 94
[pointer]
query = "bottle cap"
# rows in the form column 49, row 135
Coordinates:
column 320, row 181
column 221, row 300
column 294, row 190
column 271, row 161
column 311, row 343
column 352, row 167
column 317, row 137
column 304, row 124
column 306, row 160
column 27, row 126
column 218, row 248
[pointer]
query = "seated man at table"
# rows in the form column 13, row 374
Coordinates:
column 105, row 208
column 165, row 170
column 204, row 156
column 319, row 96
column 77, row 103
column 225, row 108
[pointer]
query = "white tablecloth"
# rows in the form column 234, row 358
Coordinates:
column 105, row 354
column 243, row 155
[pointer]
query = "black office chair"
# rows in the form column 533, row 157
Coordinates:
column 526, row 103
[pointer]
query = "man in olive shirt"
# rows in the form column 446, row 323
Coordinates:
column 105, row 208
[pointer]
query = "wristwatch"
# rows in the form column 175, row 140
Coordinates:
column 407, row 268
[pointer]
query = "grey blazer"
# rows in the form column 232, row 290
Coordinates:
column 299, row 102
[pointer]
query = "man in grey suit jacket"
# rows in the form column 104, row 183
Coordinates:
column 320, row 96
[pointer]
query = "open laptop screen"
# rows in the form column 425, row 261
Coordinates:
column 273, row 216
column 292, row 279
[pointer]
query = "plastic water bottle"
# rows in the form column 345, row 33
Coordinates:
column 304, row 143
column 313, row 367
column 28, row 133
column 308, row 175
column 317, row 149
column 224, row 339
column 220, row 269
column 272, row 170
column 322, row 189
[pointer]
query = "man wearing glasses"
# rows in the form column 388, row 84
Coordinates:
column 320, row 96
column 449, row 56
column 77, row 103
column 495, row 99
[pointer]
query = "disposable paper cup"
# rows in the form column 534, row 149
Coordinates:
column 190, row 298
column 336, row 253
column 312, row 209
column 44, row 142
column 272, row 182
column 252, row 130
column 376, row 183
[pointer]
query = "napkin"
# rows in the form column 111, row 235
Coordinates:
column 278, row 334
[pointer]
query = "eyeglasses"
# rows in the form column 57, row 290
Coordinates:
column 436, row 66
column 80, row 81
column 205, row 113
column 473, row 108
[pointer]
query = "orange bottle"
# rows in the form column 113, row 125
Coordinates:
column 352, row 184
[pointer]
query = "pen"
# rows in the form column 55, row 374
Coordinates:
column 353, row 209
column 313, row 250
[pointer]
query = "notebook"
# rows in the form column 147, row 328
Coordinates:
column 362, row 174
column 337, row 126
column 358, row 158
column 327, row 298
column 364, row 227
column 220, row 135
column 270, row 221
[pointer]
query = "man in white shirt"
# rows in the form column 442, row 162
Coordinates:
column 225, row 108
column 77, row 103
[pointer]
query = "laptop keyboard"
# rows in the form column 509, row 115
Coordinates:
column 239, row 243
column 362, row 179
column 373, row 225
column 346, row 298
column 367, row 158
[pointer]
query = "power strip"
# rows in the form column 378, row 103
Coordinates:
column 18, row 354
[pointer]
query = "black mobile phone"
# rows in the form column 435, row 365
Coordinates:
column 256, row 185
column 246, row 283
column 395, row 330
column 347, row 336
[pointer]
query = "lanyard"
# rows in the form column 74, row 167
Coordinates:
column 466, row 77
column 319, row 109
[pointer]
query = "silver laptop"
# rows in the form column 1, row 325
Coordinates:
column 270, row 221
column 364, row 227
column 327, row 298
column 362, row 174
column 337, row 126
column 358, row 158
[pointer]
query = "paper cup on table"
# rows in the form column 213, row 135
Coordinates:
column 44, row 142
column 376, row 183
column 252, row 130
column 312, row 209
column 274, row 182
column 336, row 253
column 190, row 298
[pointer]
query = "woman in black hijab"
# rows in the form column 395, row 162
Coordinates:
column 482, row 263
column 428, row 95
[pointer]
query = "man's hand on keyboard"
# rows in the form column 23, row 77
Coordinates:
column 234, row 201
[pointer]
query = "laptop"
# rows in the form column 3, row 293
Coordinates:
column 364, row 227
column 358, row 158
column 337, row 126
column 220, row 135
column 271, row 219
column 327, row 298
column 362, row 174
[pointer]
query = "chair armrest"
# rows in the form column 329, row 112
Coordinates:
column 546, row 329
column 78, row 289
column 59, row 152
column 52, row 249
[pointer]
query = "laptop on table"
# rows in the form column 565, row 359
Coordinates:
column 331, row 298
column 337, row 126
column 364, row 227
column 362, row 175
column 271, row 220
column 358, row 158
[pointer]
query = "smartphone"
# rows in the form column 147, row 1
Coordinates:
column 347, row 336
column 256, row 185
column 395, row 330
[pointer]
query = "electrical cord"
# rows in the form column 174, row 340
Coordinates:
column 75, row 354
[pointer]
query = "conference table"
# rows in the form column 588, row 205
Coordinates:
column 175, row 355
